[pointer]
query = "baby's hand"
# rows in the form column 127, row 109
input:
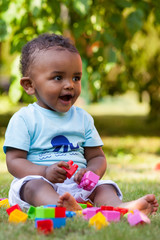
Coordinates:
column 55, row 173
column 78, row 176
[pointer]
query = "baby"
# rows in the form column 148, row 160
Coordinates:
column 42, row 137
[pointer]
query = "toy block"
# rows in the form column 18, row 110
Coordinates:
column 11, row 209
column 31, row 212
column 2, row 199
column 4, row 203
column 72, row 169
column 126, row 214
column 89, row 204
column 45, row 226
column 137, row 218
column 70, row 214
column 57, row 222
column 89, row 181
column 98, row 221
column 60, row 212
column 42, row 212
column 79, row 212
column 121, row 210
column 83, row 205
column 49, row 206
column 90, row 212
column 17, row 216
column 109, row 208
column 112, row 216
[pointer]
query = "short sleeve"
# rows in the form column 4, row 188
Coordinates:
column 92, row 138
column 17, row 134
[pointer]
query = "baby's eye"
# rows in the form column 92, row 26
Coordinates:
column 76, row 78
column 57, row 78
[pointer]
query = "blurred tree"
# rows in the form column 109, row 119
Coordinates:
column 117, row 39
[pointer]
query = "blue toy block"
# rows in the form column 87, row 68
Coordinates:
column 50, row 206
column 59, row 222
column 70, row 214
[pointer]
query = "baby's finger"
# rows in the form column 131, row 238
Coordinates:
column 63, row 164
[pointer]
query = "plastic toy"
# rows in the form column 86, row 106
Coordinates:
column 137, row 218
column 60, row 212
column 121, row 210
column 112, row 216
column 70, row 214
column 4, row 203
column 83, row 205
column 98, row 221
column 90, row 212
column 11, row 209
column 42, row 212
column 72, row 170
column 57, row 222
column 110, row 208
column 31, row 212
column 45, row 226
column 89, row 181
column 17, row 216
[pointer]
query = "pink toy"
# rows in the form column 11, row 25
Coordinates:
column 90, row 212
column 111, row 216
column 89, row 181
column 72, row 170
column 137, row 218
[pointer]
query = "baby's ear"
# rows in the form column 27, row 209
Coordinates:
column 27, row 84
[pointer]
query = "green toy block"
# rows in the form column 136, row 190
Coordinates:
column 31, row 212
column 83, row 205
column 42, row 212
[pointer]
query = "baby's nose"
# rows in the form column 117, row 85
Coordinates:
column 69, row 83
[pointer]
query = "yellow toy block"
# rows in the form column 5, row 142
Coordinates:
column 98, row 221
column 17, row 216
column 4, row 203
column 79, row 213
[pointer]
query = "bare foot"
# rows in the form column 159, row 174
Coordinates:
column 69, row 202
column 147, row 204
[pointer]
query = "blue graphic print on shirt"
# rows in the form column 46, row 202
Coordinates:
column 61, row 141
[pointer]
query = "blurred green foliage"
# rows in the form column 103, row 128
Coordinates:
column 117, row 39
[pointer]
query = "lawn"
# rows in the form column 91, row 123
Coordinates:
column 132, row 149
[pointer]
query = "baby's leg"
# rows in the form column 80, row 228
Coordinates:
column 38, row 192
column 106, row 195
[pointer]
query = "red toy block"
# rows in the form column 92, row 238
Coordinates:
column 11, row 209
column 89, row 181
column 121, row 210
column 60, row 212
column 72, row 170
column 45, row 226
column 109, row 208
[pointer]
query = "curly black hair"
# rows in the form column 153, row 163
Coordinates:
column 42, row 42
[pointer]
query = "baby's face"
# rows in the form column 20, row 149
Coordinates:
column 56, row 78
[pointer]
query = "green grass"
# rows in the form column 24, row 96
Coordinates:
column 132, row 149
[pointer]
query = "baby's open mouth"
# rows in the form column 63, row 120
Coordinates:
column 66, row 97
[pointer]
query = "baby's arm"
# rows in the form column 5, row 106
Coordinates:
column 96, row 162
column 19, row 167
